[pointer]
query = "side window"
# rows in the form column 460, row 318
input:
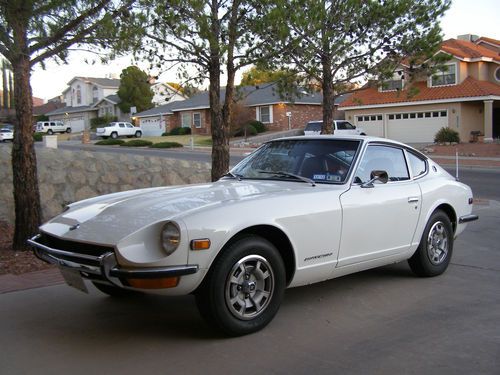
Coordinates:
column 418, row 165
column 52, row 124
column 122, row 125
column 129, row 125
column 341, row 126
column 385, row 158
column 348, row 125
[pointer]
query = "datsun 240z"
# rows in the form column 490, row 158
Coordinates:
column 296, row 211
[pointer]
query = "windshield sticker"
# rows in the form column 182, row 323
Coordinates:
column 327, row 177
column 319, row 177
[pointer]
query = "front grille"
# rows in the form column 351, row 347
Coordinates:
column 73, row 246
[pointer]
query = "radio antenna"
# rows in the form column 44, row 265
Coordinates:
column 456, row 164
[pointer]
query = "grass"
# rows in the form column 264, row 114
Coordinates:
column 185, row 140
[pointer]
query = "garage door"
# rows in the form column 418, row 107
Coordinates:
column 371, row 124
column 415, row 127
column 152, row 126
column 76, row 124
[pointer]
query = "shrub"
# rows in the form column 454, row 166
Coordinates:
column 249, row 129
column 180, row 131
column 110, row 142
column 37, row 137
column 101, row 121
column 165, row 134
column 166, row 145
column 446, row 135
column 259, row 126
column 137, row 143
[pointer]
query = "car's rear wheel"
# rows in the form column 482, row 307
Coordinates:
column 114, row 135
column 243, row 290
column 114, row 291
column 436, row 247
column 138, row 134
column 50, row 132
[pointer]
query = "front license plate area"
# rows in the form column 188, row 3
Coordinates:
column 73, row 279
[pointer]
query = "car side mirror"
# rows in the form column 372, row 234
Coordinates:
column 376, row 175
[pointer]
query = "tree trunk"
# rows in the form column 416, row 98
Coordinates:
column 11, row 95
column 328, row 99
column 5, row 96
column 26, row 193
column 220, row 142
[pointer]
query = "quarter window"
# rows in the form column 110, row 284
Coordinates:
column 417, row 165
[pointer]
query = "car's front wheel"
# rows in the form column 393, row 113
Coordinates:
column 243, row 290
column 138, row 134
column 68, row 130
column 436, row 247
column 50, row 132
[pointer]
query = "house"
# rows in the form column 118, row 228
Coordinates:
column 165, row 93
column 464, row 96
column 263, row 103
column 81, row 100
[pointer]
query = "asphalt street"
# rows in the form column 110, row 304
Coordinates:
column 383, row 321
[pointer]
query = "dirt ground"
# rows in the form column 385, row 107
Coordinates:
column 467, row 149
column 16, row 262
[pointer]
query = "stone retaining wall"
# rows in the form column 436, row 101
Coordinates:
column 67, row 176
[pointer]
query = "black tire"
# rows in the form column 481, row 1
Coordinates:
column 362, row 134
column 114, row 291
column 436, row 247
column 68, row 130
column 104, row 137
column 138, row 134
column 50, row 132
column 226, row 281
column 114, row 135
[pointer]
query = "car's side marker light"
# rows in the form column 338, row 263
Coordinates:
column 200, row 244
column 163, row 283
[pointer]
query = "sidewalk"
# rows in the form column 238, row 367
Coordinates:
column 30, row 280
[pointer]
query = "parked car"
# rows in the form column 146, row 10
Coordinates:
column 51, row 127
column 119, row 129
column 340, row 127
column 297, row 211
column 6, row 134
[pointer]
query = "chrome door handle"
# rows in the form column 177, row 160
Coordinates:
column 413, row 199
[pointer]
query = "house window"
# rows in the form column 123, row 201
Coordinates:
column 447, row 75
column 95, row 94
column 396, row 83
column 186, row 120
column 197, row 120
column 78, row 95
column 264, row 114
column 497, row 74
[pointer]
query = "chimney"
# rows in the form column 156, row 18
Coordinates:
column 468, row 37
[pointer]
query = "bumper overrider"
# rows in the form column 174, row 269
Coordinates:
column 104, row 267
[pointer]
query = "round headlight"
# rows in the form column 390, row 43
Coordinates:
column 170, row 237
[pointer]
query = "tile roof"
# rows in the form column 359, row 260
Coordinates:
column 83, row 108
column 46, row 108
column 160, row 110
column 488, row 40
column 470, row 87
column 468, row 50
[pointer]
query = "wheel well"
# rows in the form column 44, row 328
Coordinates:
column 450, row 212
column 278, row 239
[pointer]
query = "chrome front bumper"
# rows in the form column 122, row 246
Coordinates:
column 105, row 266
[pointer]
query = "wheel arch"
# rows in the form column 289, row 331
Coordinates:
column 277, row 237
column 450, row 212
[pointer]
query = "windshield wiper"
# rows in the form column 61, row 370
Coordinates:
column 233, row 175
column 287, row 174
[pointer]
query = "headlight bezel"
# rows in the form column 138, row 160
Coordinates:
column 170, row 237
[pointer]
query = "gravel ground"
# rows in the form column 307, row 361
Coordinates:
column 16, row 262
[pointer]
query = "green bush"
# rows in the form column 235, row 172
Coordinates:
column 137, row 143
column 166, row 145
column 37, row 137
column 259, row 126
column 250, row 131
column 180, row 131
column 165, row 134
column 101, row 121
column 110, row 142
column 446, row 135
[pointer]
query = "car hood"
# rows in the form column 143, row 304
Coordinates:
column 108, row 219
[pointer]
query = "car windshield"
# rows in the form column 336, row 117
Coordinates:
column 314, row 126
column 322, row 161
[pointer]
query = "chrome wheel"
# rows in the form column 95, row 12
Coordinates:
column 437, row 243
column 249, row 287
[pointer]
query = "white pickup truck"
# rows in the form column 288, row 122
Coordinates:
column 340, row 127
column 119, row 129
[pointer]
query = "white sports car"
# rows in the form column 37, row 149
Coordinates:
column 296, row 211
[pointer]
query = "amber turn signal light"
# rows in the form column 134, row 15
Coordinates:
column 200, row 244
column 163, row 283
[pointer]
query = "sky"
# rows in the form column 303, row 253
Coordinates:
column 479, row 17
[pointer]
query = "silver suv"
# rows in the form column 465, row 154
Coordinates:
column 51, row 127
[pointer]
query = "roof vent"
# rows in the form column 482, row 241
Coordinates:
column 468, row 37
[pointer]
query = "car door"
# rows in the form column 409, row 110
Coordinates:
column 380, row 220
column 130, row 128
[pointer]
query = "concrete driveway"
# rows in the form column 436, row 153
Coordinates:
column 383, row 321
